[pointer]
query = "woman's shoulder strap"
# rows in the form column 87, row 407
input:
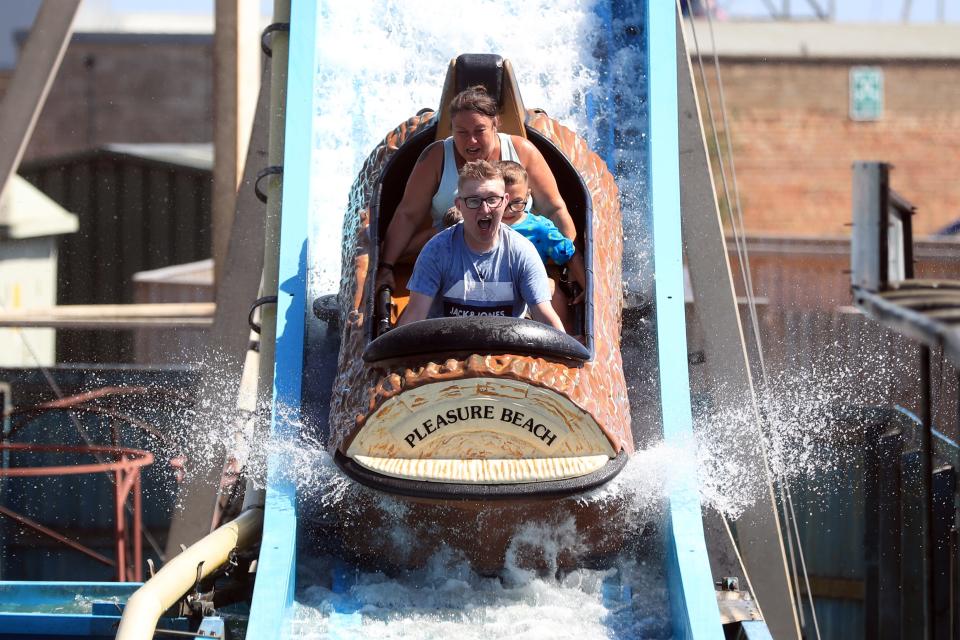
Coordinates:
column 508, row 151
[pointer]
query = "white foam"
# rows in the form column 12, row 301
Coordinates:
column 446, row 599
column 379, row 63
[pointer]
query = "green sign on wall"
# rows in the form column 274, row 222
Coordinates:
column 866, row 93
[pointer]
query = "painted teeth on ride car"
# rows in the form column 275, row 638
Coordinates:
column 484, row 471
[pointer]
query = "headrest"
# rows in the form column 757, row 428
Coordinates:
column 494, row 73
column 481, row 68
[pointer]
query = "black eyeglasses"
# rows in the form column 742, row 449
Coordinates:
column 517, row 205
column 474, row 202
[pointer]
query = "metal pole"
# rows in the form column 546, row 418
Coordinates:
column 905, row 12
column 236, row 77
column 817, row 10
column 271, row 240
column 119, row 526
column 137, row 528
column 871, row 531
column 926, row 491
column 944, row 492
column 54, row 535
column 28, row 89
column 890, row 518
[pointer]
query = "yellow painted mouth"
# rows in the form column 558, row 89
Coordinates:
column 481, row 430
column 485, row 471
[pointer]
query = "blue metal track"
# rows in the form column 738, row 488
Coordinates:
column 273, row 594
column 692, row 597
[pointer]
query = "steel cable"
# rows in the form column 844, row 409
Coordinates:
column 738, row 229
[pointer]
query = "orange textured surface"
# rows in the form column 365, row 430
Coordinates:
column 598, row 387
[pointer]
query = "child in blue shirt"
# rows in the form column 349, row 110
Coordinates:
column 543, row 233
column 550, row 243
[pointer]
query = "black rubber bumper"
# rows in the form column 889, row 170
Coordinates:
column 482, row 492
column 484, row 335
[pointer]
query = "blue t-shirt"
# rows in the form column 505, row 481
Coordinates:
column 496, row 283
column 547, row 239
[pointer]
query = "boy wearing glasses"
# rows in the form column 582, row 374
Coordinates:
column 480, row 267
column 546, row 238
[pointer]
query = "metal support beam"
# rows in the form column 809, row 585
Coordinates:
column 159, row 315
column 227, row 344
column 889, row 524
column 905, row 10
column 281, row 347
column 871, row 530
column 772, row 9
column 913, row 596
column 761, row 542
column 236, row 79
column 817, row 9
column 944, row 552
column 926, row 488
column 32, row 80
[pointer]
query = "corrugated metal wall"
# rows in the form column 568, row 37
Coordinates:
column 135, row 214
column 81, row 506
column 839, row 359
column 821, row 354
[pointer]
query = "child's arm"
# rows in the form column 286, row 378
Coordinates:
column 563, row 252
column 579, row 275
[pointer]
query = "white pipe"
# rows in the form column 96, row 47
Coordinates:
column 162, row 591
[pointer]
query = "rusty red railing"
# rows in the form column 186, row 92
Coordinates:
column 125, row 464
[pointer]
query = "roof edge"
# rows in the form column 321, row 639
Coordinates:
column 797, row 40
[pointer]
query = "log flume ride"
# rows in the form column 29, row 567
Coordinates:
column 481, row 424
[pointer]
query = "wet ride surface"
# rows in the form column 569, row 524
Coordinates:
column 625, row 598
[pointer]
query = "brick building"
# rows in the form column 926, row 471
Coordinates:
column 788, row 93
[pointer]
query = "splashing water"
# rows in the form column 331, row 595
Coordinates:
column 380, row 62
column 446, row 598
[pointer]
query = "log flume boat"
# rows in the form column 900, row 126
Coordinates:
column 479, row 426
